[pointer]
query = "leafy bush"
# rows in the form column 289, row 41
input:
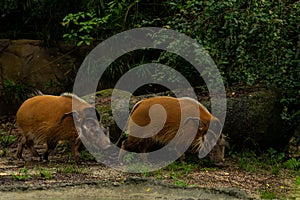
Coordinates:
column 84, row 24
column 251, row 42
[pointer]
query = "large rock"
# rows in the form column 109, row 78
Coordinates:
column 253, row 119
column 27, row 63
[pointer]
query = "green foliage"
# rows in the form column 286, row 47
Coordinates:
column 267, row 195
column 86, row 155
column 158, row 175
column 128, row 158
column 234, row 31
column 274, row 156
column 15, row 92
column 297, row 181
column 71, row 169
column 6, row 139
column 22, row 175
column 178, row 170
column 46, row 174
column 82, row 26
column 99, row 20
column 7, row 5
column 250, row 42
column 180, row 183
column 271, row 160
column 292, row 164
column 182, row 167
column 247, row 164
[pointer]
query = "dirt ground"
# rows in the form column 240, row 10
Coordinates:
column 61, row 172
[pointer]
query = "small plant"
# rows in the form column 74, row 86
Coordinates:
column 158, row 175
column 46, row 174
column 248, row 161
column 139, row 167
column 9, row 139
column 181, row 167
column 173, row 175
column 71, row 169
column 297, row 181
column 209, row 169
column 128, row 158
column 271, row 160
column 176, row 177
column 246, row 164
column 180, row 183
column 275, row 156
column 22, row 175
column 267, row 195
column 6, row 139
column 292, row 164
column 146, row 174
column 87, row 156
column 15, row 92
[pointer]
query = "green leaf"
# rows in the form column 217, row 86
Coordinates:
column 79, row 43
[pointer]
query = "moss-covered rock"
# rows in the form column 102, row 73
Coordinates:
column 253, row 120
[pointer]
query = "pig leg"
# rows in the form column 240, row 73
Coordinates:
column 146, row 145
column 49, row 147
column 21, row 146
column 126, row 146
column 75, row 148
column 30, row 146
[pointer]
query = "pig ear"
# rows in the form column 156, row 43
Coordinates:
column 223, row 142
column 74, row 114
column 197, row 121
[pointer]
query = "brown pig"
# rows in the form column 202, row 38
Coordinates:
column 47, row 119
column 145, row 127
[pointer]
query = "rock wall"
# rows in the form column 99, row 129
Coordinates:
column 26, row 62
